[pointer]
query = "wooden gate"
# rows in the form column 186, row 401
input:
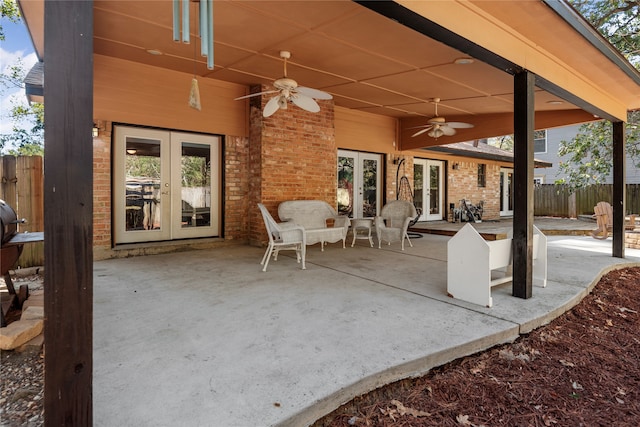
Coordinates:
column 22, row 187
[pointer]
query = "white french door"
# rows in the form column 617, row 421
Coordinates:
column 359, row 184
column 428, row 197
column 506, row 192
column 165, row 185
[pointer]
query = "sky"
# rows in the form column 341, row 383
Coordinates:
column 16, row 45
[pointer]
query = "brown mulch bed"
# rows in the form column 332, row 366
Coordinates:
column 582, row 369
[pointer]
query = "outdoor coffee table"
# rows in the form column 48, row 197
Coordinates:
column 361, row 229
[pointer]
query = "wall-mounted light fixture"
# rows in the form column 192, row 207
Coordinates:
column 455, row 166
column 95, row 131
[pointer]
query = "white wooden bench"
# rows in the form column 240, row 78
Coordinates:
column 320, row 221
column 475, row 265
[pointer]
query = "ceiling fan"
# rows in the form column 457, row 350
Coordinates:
column 438, row 126
column 289, row 91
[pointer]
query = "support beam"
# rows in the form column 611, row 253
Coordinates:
column 619, row 190
column 523, row 117
column 68, row 206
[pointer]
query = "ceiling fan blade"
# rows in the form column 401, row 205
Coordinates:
column 305, row 102
column 459, row 125
column 420, row 132
column 255, row 94
column 447, row 130
column 419, row 127
column 313, row 93
column 271, row 107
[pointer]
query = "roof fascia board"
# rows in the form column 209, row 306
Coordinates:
column 481, row 156
column 32, row 12
column 571, row 16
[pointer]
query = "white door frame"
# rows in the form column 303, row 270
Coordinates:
column 359, row 196
column 505, row 174
column 163, row 204
column 427, row 214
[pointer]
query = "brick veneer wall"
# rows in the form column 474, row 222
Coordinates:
column 396, row 169
column 463, row 184
column 292, row 156
column 236, row 187
column 102, row 191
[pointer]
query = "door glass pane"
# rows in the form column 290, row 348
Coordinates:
column 345, row 186
column 369, row 187
column 196, row 185
column 142, row 170
column 434, row 190
column 510, row 189
column 502, row 174
column 418, row 186
column 506, row 191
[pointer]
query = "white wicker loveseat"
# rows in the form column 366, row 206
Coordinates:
column 320, row 221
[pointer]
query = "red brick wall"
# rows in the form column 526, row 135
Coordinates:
column 236, row 187
column 396, row 169
column 293, row 156
column 102, row 190
column 463, row 184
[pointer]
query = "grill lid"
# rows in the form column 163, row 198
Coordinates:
column 8, row 222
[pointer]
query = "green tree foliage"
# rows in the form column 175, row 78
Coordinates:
column 588, row 157
column 617, row 21
column 27, row 133
column 8, row 10
column 502, row 142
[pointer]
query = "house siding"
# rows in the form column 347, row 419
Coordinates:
column 566, row 133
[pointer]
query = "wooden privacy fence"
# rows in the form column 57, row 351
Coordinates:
column 556, row 200
column 22, row 187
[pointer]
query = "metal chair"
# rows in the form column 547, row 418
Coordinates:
column 282, row 236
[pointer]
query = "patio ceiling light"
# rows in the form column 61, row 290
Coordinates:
column 436, row 132
column 464, row 61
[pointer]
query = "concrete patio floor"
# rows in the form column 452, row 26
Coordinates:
column 205, row 338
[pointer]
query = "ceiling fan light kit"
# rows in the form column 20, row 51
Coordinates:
column 438, row 126
column 287, row 90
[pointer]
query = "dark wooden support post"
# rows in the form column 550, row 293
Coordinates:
column 68, row 207
column 619, row 193
column 523, row 116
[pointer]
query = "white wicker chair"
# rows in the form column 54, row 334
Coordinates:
column 283, row 236
column 393, row 221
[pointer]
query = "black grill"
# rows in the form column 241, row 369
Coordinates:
column 8, row 221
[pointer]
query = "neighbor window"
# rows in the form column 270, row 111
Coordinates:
column 540, row 141
column 482, row 175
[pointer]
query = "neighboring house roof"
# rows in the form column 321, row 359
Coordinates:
column 34, row 83
column 481, row 151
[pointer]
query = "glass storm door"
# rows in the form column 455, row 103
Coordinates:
column 506, row 192
column 428, row 189
column 359, row 182
column 163, row 185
